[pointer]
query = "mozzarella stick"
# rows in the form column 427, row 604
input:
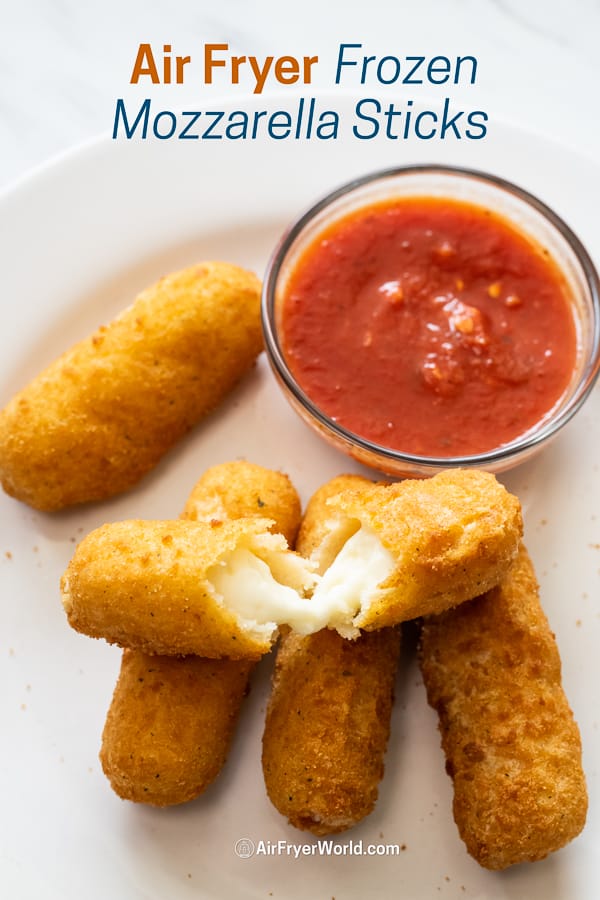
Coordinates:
column 437, row 542
column 154, row 586
column 171, row 721
column 328, row 718
column 390, row 553
column 492, row 671
column 170, row 725
column 235, row 490
column 102, row 415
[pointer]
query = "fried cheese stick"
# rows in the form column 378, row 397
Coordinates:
column 170, row 725
column 492, row 671
column 102, row 415
column 328, row 718
column 171, row 721
column 149, row 585
column 223, row 589
column 452, row 537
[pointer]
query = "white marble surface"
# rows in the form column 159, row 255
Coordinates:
column 63, row 62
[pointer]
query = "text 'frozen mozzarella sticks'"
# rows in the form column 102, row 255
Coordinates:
column 103, row 414
column 391, row 553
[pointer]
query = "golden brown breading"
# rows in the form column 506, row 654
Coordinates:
column 221, row 589
column 314, row 527
column 170, row 724
column 171, row 720
column 453, row 537
column 104, row 413
column 492, row 670
column 327, row 727
column 236, row 489
column 328, row 718
column 144, row 585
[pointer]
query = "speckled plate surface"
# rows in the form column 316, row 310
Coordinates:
column 80, row 237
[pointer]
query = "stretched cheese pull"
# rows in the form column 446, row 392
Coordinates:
column 152, row 586
column 328, row 718
column 492, row 671
column 96, row 420
column 172, row 719
column 222, row 589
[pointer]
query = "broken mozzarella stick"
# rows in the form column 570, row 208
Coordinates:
column 328, row 718
column 222, row 589
column 95, row 421
column 492, row 671
column 430, row 544
column 172, row 719
column 155, row 586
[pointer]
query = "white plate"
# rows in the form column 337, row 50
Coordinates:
column 80, row 237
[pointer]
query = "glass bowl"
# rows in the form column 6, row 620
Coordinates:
column 529, row 216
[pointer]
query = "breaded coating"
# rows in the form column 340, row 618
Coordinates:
column 327, row 727
column 328, row 718
column 315, row 524
column 236, row 489
column 103, row 414
column 492, row 671
column 452, row 536
column 170, row 724
column 143, row 585
column 172, row 719
column 221, row 589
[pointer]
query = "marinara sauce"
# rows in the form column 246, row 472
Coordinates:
column 430, row 326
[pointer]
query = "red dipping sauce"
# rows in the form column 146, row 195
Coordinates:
column 430, row 326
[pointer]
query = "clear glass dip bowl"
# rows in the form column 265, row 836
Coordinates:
column 530, row 216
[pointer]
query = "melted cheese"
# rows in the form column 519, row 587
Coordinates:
column 270, row 591
column 350, row 583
